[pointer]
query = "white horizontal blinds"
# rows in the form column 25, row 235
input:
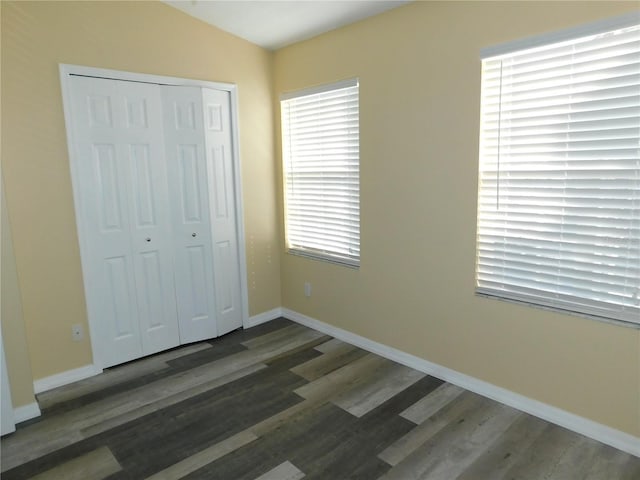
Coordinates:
column 559, row 197
column 321, row 161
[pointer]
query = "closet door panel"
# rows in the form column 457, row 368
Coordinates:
column 218, row 140
column 105, row 218
column 151, row 231
column 188, row 190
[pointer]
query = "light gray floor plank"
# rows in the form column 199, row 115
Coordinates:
column 541, row 459
column 507, row 450
column 280, row 419
column 19, row 447
column 305, row 346
column 275, row 336
column 430, row 404
column 388, row 381
column 284, row 471
column 612, row 463
column 448, row 453
column 576, row 460
column 559, row 454
column 348, row 376
column 204, row 457
column 452, row 413
column 330, row 361
column 332, row 344
column 321, row 391
column 94, row 465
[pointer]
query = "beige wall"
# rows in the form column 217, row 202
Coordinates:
column 147, row 37
column 419, row 73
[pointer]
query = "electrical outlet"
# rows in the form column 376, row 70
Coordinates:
column 307, row 289
column 76, row 332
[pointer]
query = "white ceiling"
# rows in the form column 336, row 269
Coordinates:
column 274, row 25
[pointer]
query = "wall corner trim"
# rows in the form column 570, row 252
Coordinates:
column 26, row 412
column 263, row 317
column 64, row 378
column 597, row 431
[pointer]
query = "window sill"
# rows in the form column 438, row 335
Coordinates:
column 619, row 323
column 324, row 258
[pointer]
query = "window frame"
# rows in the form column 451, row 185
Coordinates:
column 293, row 248
column 596, row 28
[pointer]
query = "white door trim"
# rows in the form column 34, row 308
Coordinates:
column 66, row 71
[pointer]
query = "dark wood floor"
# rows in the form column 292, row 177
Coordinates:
column 283, row 402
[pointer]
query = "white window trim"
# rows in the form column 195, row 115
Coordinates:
column 594, row 28
column 315, row 254
column 351, row 82
column 582, row 31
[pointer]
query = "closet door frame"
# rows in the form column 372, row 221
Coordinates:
column 66, row 72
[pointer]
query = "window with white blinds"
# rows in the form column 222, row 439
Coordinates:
column 559, row 180
column 321, row 155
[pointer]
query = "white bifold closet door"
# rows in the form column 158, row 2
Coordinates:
column 126, row 220
column 155, row 181
column 198, row 139
column 226, row 258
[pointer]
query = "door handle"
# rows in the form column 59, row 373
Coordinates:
column 194, row 235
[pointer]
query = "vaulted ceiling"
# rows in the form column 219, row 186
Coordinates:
column 273, row 25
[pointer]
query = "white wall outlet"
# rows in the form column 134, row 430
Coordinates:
column 307, row 289
column 76, row 332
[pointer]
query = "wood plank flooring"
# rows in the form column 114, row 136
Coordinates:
column 284, row 402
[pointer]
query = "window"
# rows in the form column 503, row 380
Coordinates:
column 559, row 181
column 320, row 147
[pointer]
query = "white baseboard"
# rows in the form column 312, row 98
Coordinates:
column 263, row 317
column 602, row 433
column 26, row 412
column 64, row 378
